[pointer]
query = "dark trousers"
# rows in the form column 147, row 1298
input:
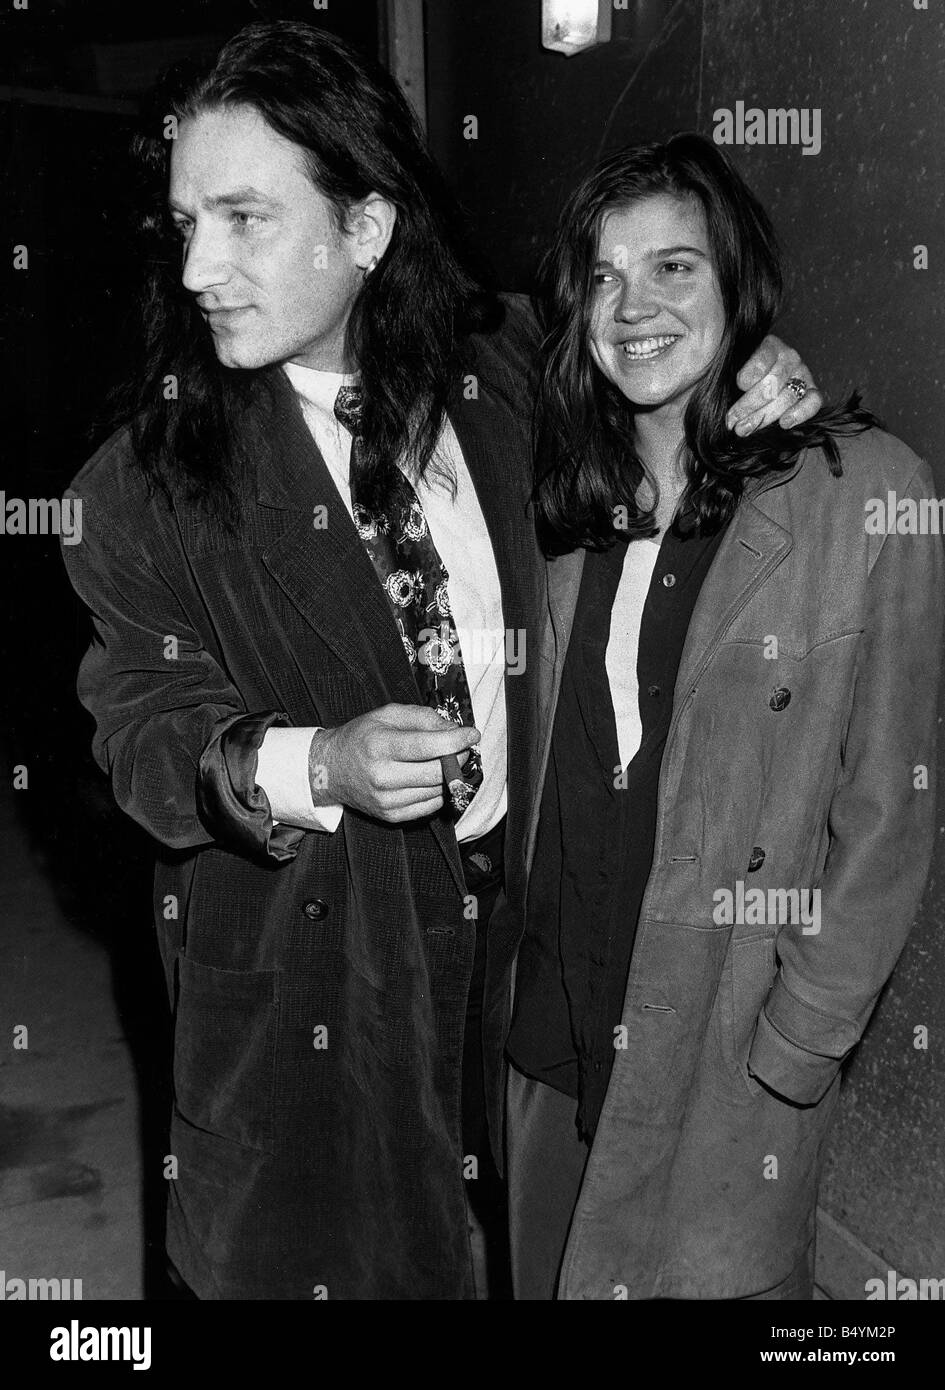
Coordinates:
column 546, row 1162
column 485, row 1193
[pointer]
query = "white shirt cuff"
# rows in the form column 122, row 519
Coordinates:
column 282, row 773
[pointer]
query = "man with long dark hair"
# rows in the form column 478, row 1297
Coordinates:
column 311, row 569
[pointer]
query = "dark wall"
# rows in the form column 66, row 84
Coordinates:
column 860, row 313
column 543, row 119
column 850, row 216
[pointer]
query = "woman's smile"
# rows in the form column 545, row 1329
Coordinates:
column 654, row 268
column 648, row 349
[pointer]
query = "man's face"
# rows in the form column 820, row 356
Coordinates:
column 272, row 276
column 657, row 316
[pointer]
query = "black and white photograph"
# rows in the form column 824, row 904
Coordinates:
column 471, row 524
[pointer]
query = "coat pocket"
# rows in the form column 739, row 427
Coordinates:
column 749, row 972
column 224, row 1051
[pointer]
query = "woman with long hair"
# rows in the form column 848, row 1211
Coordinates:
column 735, row 825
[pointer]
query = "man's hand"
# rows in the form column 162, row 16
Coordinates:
column 387, row 762
column 764, row 379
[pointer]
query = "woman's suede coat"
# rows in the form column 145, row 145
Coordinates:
column 801, row 756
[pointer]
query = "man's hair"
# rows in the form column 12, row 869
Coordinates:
column 358, row 135
column 587, row 464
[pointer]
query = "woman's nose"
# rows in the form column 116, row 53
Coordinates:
column 635, row 305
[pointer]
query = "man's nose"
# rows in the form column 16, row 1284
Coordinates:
column 205, row 261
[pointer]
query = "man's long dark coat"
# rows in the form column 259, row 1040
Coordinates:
column 318, row 980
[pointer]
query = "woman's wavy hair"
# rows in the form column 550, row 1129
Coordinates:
column 428, row 292
column 586, row 462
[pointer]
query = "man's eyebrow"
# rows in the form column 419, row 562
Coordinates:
column 237, row 198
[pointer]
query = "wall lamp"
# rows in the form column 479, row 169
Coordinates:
column 571, row 26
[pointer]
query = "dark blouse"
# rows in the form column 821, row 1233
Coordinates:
column 596, row 829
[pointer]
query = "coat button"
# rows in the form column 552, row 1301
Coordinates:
column 756, row 860
column 315, row 909
column 780, row 698
column 668, row 581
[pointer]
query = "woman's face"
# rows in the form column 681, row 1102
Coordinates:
column 657, row 317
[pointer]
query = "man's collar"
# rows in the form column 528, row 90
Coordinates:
column 318, row 388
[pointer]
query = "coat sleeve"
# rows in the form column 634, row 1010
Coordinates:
column 881, row 828
column 171, row 729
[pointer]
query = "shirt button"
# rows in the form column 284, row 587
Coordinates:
column 315, row 909
column 780, row 698
column 669, row 580
column 653, row 690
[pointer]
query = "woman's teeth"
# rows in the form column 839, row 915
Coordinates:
column 642, row 349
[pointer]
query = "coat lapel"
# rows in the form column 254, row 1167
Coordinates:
column 482, row 428
column 750, row 552
column 495, row 442
column 319, row 560
column 557, row 622
column 321, row 566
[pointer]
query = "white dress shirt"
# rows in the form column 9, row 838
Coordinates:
column 624, row 640
column 459, row 532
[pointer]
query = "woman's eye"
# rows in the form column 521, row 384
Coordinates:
column 675, row 266
column 601, row 276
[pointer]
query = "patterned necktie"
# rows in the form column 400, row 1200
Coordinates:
column 416, row 583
